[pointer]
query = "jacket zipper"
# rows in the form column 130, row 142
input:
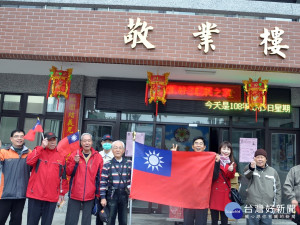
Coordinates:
column 85, row 180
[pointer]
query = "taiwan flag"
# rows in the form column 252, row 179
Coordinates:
column 30, row 136
column 174, row 178
column 68, row 144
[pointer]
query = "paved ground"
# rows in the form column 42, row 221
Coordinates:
column 142, row 219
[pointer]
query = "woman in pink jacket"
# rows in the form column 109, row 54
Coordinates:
column 219, row 196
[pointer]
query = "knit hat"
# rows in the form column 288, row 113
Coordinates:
column 260, row 152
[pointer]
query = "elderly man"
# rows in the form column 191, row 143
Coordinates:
column 115, row 184
column 45, row 187
column 291, row 186
column 84, row 166
column 15, row 175
column 107, row 155
column 264, row 189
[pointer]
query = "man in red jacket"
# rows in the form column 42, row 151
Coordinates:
column 45, row 187
column 84, row 166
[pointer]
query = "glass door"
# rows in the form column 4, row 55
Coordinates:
column 98, row 130
column 283, row 155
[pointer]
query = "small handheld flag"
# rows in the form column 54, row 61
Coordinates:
column 30, row 136
column 68, row 144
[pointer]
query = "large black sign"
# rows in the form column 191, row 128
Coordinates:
column 129, row 95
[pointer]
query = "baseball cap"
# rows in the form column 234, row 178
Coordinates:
column 106, row 137
column 49, row 135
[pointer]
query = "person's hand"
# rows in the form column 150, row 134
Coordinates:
column 103, row 202
column 45, row 142
column 77, row 158
column 61, row 199
column 217, row 157
column 294, row 202
column 230, row 168
column 174, row 147
column 253, row 164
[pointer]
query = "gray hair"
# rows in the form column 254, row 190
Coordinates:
column 115, row 142
column 86, row 134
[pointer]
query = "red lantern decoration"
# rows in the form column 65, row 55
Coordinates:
column 256, row 94
column 61, row 81
column 158, row 85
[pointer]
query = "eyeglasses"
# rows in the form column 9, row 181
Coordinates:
column 18, row 136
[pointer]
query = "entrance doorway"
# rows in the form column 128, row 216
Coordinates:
column 98, row 130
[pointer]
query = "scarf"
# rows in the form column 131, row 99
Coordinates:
column 224, row 160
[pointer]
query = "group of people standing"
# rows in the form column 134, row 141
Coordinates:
column 40, row 175
column 263, row 191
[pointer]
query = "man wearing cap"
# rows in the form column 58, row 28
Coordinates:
column 106, row 154
column 264, row 189
column 14, row 176
column 46, row 186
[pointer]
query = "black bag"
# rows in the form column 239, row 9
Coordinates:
column 104, row 214
column 295, row 217
column 234, row 194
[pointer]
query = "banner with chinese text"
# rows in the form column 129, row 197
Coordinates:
column 71, row 116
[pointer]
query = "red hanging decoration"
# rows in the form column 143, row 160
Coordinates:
column 158, row 85
column 61, row 81
column 256, row 94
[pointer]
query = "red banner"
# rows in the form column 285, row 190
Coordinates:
column 199, row 91
column 71, row 115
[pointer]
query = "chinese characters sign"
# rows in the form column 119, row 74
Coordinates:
column 275, row 41
column 192, row 91
column 205, row 35
column 71, row 115
column 138, row 34
column 226, row 106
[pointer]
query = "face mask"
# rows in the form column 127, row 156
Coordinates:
column 106, row 146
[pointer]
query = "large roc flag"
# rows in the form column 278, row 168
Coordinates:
column 174, row 178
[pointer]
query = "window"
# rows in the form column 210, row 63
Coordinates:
column 11, row 102
column 91, row 113
column 35, row 104
column 293, row 122
column 213, row 120
column 55, row 105
column 7, row 124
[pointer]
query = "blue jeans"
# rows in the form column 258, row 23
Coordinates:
column 255, row 218
column 117, row 204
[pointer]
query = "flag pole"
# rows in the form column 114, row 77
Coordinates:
column 42, row 132
column 133, row 150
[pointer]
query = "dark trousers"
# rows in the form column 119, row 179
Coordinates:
column 195, row 216
column 118, row 205
column 215, row 217
column 73, row 212
column 14, row 207
column 38, row 209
